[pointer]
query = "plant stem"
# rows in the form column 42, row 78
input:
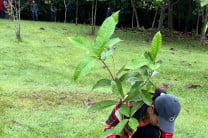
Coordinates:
column 105, row 65
column 114, row 66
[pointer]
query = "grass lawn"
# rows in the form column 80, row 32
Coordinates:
column 38, row 97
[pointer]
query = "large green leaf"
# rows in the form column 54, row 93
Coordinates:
column 106, row 53
column 108, row 49
column 105, row 32
column 146, row 97
column 102, row 105
column 107, row 28
column 133, row 123
column 137, row 63
column 127, row 76
column 133, row 94
column 80, row 42
column 121, row 70
column 102, row 82
column 145, row 70
column 107, row 133
column 125, row 110
column 148, row 56
column 117, row 88
column 112, row 42
column 118, row 129
column 155, row 45
column 150, row 86
column 136, row 105
column 154, row 66
column 84, row 67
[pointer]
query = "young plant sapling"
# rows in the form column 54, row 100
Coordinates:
column 138, row 73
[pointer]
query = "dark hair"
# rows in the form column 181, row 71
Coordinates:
column 139, row 113
column 157, row 93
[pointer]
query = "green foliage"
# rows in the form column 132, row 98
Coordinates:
column 203, row 2
column 133, row 123
column 102, row 83
column 125, row 110
column 146, row 97
column 116, row 130
column 102, row 105
column 133, row 93
column 136, row 105
column 119, row 127
column 104, row 34
column 100, row 49
column 84, row 67
column 137, row 63
column 156, row 44
column 117, row 88
column 80, row 42
column 137, row 73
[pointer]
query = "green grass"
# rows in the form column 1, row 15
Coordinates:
column 38, row 97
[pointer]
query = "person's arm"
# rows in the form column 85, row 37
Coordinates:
column 112, row 121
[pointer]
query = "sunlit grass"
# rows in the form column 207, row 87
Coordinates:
column 38, row 97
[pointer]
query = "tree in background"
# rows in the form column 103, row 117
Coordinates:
column 155, row 5
column 77, row 9
column 163, row 6
column 171, row 3
column 134, row 13
column 178, row 15
column 15, row 10
column 197, row 12
column 204, row 4
column 66, row 4
column 93, row 15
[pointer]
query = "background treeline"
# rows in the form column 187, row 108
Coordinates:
column 179, row 15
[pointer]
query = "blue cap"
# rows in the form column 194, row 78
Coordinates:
column 168, row 108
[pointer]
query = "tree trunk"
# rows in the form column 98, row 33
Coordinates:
column 132, row 20
column 18, row 32
column 170, row 17
column 197, row 25
column 94, row 11
column 171, row 3
column 204, row 21
column 15, row 13
column 92, row 16
column 153, row 22
column 95, row 15
column 162, row 15
column 135, row 12
column 65, row 13
column 77, row 9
